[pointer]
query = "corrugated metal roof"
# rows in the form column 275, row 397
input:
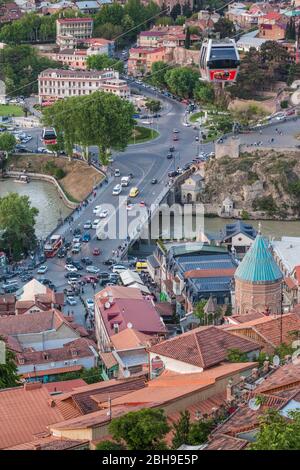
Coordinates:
column 258, row 265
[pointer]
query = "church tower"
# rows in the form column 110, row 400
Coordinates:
column 258, row 281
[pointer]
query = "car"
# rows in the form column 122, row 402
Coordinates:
column 142, row 204
column 197, row 138
column 9, row 289
column 69, row 260
column 175, row 138
column 69, row 292
column 169, row 156
column 96, row 252
column 108, row 262
column 72, row 275
column 134, row 192
column 86, row 260
column 87, row 225
column 73, row 281
column 67, row 245
column 90, row 279
column 96, row 209
column 90, row 304
column 76, row 249
column 76, row 239
column 71, row 300
column 92, row 269
column 172, row 174
column 61, row 253
column 71, row 268
column 175, row 131
column 129, row 206
column 42, row 269
column 86, row 237
column 77, row 231
column 26, row 277
column 104, row 275
column 95, row 223
column 172, row 149
column 117, row 172
column 154, row 181
column 118, row 268
column 77, row 265
column 104, row 214
column 117, row 190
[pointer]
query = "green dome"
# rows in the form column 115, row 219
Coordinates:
column 258, row 265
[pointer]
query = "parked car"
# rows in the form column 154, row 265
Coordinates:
column 154, row 181
column 71, row 301
column 117, row 190
column 97, row 209
column 104, row 214
column 96, row 252
column 42, row 269
column 70, row 268
column 90, row 304
column 86, row 237
column 77, row 265
column 87, row 225
column 90, row 279
column 92, row 269
column 86, row 260
column 118, row 268
column 95, row 223
column 169, row 156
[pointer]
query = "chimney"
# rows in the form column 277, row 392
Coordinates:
column 28, row 386
column 229, row 395
column 254, row 373
column 266, row 366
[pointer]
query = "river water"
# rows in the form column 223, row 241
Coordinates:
column 44, row 197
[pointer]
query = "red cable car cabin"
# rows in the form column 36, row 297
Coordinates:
column 49, row 136
column 219, row 60
column 53, row 245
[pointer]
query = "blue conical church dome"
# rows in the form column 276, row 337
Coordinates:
column 258, row 265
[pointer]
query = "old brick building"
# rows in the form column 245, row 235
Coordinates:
column 258, row 281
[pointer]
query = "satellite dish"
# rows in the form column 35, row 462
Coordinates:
column 107, row 305
column 276, row 361
column 129, row 325
column 253, row 405
column 126, row 373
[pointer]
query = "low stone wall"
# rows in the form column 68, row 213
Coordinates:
column 49, row 179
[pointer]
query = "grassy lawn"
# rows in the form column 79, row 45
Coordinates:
column 79, row 177
column 143, row 134
column 196, row 116
column 11, row 110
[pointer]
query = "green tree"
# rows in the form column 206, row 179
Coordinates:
column 186, row 9
column 181, row 429
column 278, row 433
column 176, row 11
column 17, row 219
column 112, row 14
column 158, row 73
column 9, row 372
column 141, row 430
column 164, row 21
column 275, row 59
column 187, row 41
column 181, row 81
column 102, row 61
column 153, row 105
column 199, row 310
column 7, row 142
column 109, row 445
column 100, row 119
column 180, row 20
column 204, row 93
column 20, row 67
column 235, row 355
column 224, row 27
column 200, row 431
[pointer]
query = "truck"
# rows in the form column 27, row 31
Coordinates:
column 125, row 180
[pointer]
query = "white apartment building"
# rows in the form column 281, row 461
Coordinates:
column 57, row 84
column 78, row 28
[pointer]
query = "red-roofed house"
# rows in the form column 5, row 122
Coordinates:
column 141, row 59
column 9, row 12
column 118, row 308
column 198, row 350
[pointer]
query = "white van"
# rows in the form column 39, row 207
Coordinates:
column 125, row 180
column 117, row 190
column 117, row 172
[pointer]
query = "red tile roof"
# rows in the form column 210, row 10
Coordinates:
column 31, row 323
column 273, row 330
column 64, row 385
column 79, row 348
column 52, row 443
column 130, row 338
column 203, row 347
column 247, row 317
column 290, row 282
column 58, row 370
column 224, row 442
column 75, row 20
column 196, row 273
column 25, row 412
column 284, row 377
column 132, row 308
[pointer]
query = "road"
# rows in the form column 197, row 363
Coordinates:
column 145, row 161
